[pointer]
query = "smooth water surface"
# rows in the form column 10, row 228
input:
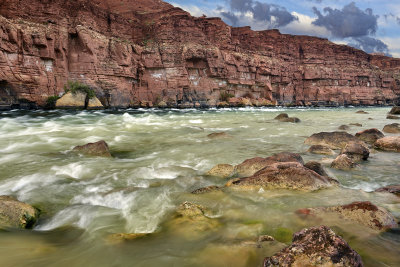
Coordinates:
column 159, row 157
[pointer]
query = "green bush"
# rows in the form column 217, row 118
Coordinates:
column 51, row 101
column 224, row 96
column 75, row 87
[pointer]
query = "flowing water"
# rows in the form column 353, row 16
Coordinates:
column 159, row 157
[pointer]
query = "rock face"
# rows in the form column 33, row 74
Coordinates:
column 392, row 128
column 147, row 51
column 317, row 246
column 388, row 143
column 333, row 140
column 370, row 136
column 99, row 148
column 364, row 213
column 283, row 175
column 16, row 214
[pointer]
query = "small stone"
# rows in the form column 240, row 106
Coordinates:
column 356, row 124
column 265, row 238
column 362, row 112
column 344, row 127
column 99, row 148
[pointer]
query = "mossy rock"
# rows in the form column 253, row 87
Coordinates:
column 16, row 214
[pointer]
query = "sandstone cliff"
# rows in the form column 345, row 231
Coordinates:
column 143, row 52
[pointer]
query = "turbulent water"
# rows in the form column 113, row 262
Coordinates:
column 159, row 157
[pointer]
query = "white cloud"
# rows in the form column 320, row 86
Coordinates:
column 393, row 44
column 304, row 26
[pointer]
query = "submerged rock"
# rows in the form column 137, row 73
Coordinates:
column 333, row 140
column 392, row 128
column 362, row 112
column 388, row 143
column 343, row 162
column 283, row 175
column 356, row 124
column 218, row 135
column 356, row 151
column 208, row 189
column 370, row 136
column 16, row 214
column 283, row 117
column 317, row 167
column 344, row 127
column 393, row 189
column 316, row 246
column 395, row 111
column 393, row 117
column 364, row 213
column 320, row 149
column 122, row 237
column 99, row 148
column 251, row 166
column 222, row 170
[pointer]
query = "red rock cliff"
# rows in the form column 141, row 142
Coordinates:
column 145, row 52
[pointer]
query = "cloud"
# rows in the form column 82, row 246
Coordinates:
column 271, row 15
column 348, row 22
column 304, row 26
column 370, row 45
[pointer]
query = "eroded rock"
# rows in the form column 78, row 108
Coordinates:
column 392, row 128
column 370, row 136
column 388, row 143
column 222, row 170
column 208, row 189
column 333, row 140
column 320, row 149
column 316, row 246
column 16, row 214
column 99, row 148
column 364, row 213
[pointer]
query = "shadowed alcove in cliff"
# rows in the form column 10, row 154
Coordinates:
column 7, row 94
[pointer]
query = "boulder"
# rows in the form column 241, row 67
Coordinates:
column 94, row 104
column 99, row 148
column 316, row 246
column 16, row 214
column 320, row 149
column 222, row 170
column 364, row 213
column 283, row 117
column 362, row 112
column 218, row 135
column 317, row 167
column 344, row 127
column 72, row 101
column 395, row 111
column 370, row 136
column 392, row 128
column 162, row 104
column 356, row 151
column 356, row 124
column 393, row 117
column 251, row 166
column 388, row 143
column 393, row 189
column 208, row 189
column 343, row 162
column 283, row 175
column 333, row 140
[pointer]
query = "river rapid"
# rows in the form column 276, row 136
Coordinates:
column 159, row 157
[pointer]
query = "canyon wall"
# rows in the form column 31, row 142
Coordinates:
column 147, row 52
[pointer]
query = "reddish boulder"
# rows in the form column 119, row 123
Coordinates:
column 343, row 162
column 333, row 140
column 393, row 128
column 356, row 151
column 316, row 246
column 99, row 148
column 389, row 143
column 370, row 136
column 394, row 189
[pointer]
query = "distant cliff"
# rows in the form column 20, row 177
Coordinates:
column 147, row 52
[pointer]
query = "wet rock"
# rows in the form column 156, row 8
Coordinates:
column 333, row 140
column 356, row 151
column 190, row 221
column 16, row 214
column 265, row 238
column 388, row 143
column 251, row 166
column 99, row 148
column 283, row 117
column 122, row 237
column 72, row 101
column 283, row 175
column 370, row 136
column 344, row 127
column 317, row 167
column 208, row 189
column 356, row 124
column 392, row 117
column 219, row 135
column 222, row 170
column 362, row 112
column 94, row 104
column 316, row 246
column 320, row 149
column 292, row 120
column 343, row 162
column 393, row 189
column 395, row 111
column 392, row 128
column 364, row 213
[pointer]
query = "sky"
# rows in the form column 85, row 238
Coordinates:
column 370, row 25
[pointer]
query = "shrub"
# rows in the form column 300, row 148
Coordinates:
column 75, row 87
column 224, row 96
column 51, row 101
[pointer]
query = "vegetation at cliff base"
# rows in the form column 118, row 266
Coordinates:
column 75, row 86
